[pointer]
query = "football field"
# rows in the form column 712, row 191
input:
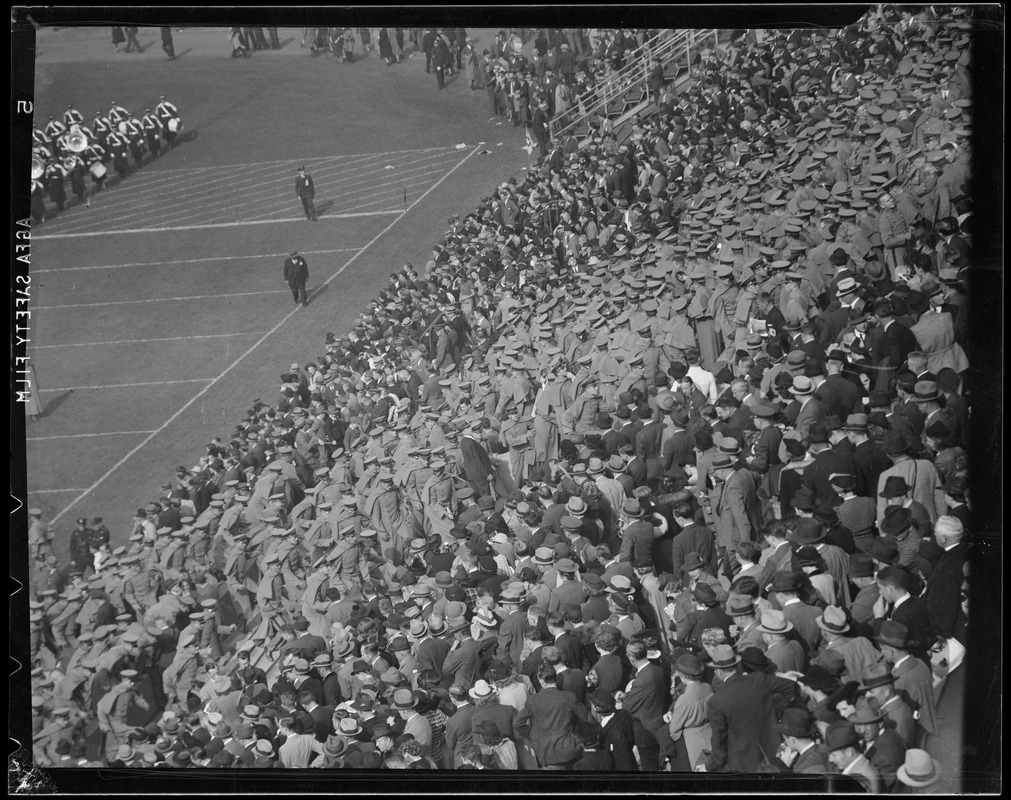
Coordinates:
column 159, row 311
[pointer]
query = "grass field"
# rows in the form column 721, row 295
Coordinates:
column 159, row 312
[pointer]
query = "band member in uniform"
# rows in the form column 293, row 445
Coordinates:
column 117, row 113
column 135, row 136
column 73, row 166
column 72, row 117
column 152, row 131
column 166, row 111
column 102, row 127
column 39, row 138
column 38, row 203
column 55, row 175
column 96, row 154
column 54, row 129
column 118, row 148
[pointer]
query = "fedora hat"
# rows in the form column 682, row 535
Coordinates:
column 895, row 486
column 619, row 584
column 883, row 549
column 631, row 508
column 802, row 386
column 877, row 675
column 690, row 665
column 919, row 769
column 893, row 443
column 786, row 582
column 840, row 735
column 897, row 520
column 730, row 446
column 544, row 556
column 798, row 722
column 576, row 506
column 808, row 531
column 894, row 634
column 739, row 605
column 833, row 620
column 803, row 500
column 868, row 710
column 774, row 622
column 724, row 657
column 418, row 629
column 335, row 745
column 480, row 690
column 705, row 594
column 693, row 561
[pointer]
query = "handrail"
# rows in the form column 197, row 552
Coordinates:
column 672, row 47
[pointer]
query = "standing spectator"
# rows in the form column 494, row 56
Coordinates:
column 131, row 39
column 166, row 42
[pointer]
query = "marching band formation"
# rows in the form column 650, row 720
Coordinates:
column 66, row 147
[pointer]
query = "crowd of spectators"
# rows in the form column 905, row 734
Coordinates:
column 657, row 464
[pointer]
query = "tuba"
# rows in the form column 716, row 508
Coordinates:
column 77, row 142
column 38, row 168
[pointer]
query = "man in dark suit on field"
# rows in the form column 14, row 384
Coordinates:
column 305, row 190
column 645, row 699
column 296, row 273
column 742, row 714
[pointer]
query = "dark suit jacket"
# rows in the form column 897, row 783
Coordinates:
column 503, row 716
column 648, row 447
column 870, row 461
column 913, row 613
column 816, row 475
column 803, row 618
column 549, row 720
column 849, row 395
column 646, row 701
column 813, row 761
column 459, row 728
column 943, row 589
column 610, row 672
column 693, row 539
column 571, row 650
column 898, row 343
column 742, row 714
column 619, row 738
column 432, row 653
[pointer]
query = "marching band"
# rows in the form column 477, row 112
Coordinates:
column 67, row 148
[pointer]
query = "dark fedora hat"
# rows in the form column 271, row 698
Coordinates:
column 896, row 520
column 798, row 722
column 895, row 486
column 840, row 735
column 689, row 664
column 787, row 582
column 894, row 634
column 808, row 531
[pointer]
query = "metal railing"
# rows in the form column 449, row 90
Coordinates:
column 666, row 47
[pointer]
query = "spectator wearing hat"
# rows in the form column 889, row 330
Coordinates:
column 736, row 509
column 898, row 604
column 879, row 683
column 857, row 652
column 799, row 734
column 787, row 654
column 913, row 677
column 706, row 613
column 919, row 473
column 300, row 749
column 742, row 713
column 787, row 587
column 923, row 774
column 868, row 458
column 883, row 747
column 844, row 746
column 827, row 461
column 688, row 717
column 694, row 538
column 549, row 720
column 113, row 712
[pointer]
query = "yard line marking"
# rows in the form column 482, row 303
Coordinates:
column 307, row 161
column 126, row 386
column 260, row 341
column 53, row 491
column 268, row 190
column 193, row 260
column 143, row 341
column 159, row 300
column 180, row 211
column 83, row 436
column 210, row 225
column 250, row 181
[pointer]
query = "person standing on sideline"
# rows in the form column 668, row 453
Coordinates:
column 166, row 42
column 440, row 58
column 306, row 191
column 296, row 273
column 131, row 39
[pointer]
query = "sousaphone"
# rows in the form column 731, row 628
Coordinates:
column 77, row 142
column 38, row 168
